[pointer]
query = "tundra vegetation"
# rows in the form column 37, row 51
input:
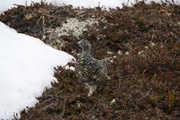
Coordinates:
column 144, row 78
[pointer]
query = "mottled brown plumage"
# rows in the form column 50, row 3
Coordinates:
column 89, row 70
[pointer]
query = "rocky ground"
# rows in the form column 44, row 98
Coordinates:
column 145, row 76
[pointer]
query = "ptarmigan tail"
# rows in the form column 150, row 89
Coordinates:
column 108, row 60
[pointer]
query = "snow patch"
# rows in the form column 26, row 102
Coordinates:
column 26, row 69
column 79, row 3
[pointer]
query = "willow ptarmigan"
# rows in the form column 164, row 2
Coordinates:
column 89, row 70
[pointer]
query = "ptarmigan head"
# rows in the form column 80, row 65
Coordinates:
column 85, row 46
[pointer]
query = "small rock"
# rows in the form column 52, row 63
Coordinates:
column 78, row 104
column 113, row 101
column 146, row 47
column 120, row 52
column 126, row 53
column 109, row 53
column 140, row 52
column 152, row 44
column 78, row 54
column 178, row 23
